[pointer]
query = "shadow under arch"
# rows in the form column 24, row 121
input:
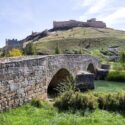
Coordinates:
column 91, row 68
column 62, row 76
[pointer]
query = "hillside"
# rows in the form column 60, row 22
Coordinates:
column 77, row 38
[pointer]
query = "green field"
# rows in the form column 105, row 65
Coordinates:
column 29, row 115
column 108, row 86
column 48, row 115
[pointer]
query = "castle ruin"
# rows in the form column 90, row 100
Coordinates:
column 12, row 43
column 73, row 23
column 62, row 25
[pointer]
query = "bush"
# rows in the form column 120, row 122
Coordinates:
column 57, row 50
column 30, row 49
column 73, row 101
column 15, row 52
column 122, row 58
column 111, row 101
column 117, row 66
column 76, row 101
column 68, row 85
column 118, row 76
column 36, row 103
column 4, row 53
column 81, row 51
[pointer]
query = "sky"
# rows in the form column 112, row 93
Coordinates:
column 18, row 18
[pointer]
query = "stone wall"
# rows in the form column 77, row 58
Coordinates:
column 59, row 25
column 67, row 24
column 96, row 24
column 22, row 79
column 12, row 43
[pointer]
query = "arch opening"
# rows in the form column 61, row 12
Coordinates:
column 62, row 77
column 91, row 68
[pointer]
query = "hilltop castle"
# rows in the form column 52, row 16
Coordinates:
column 62, row 25
column 12, row 43
column 73, row 23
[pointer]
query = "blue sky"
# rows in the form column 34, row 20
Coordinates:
column 18, row 18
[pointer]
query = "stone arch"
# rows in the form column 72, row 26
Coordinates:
column 61, row 76
column 91, row 68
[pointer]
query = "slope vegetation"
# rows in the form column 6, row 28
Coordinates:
column 77, row 38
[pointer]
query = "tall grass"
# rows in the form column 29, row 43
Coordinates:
column 111, row 101
column 48, row 115
column 76, row 101
column 118, row 76
column 117, row 66
column 91, row 101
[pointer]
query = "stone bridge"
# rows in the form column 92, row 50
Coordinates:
column 24, row 78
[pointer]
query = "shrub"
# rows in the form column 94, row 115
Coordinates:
column 36, row 103
column 73, row 101
column 118, row 76
column 57, row 50
column 117, row 66
column 30, row 49
column 68, row 85
column 4, row 53
column 111, row 101
column 76, row 101
column 122, row 58
column 81, row 51
column 15, row 52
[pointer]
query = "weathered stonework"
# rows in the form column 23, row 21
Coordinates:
column 22, row 79
column 10, row 44
column 85, row 81
column 61, row 25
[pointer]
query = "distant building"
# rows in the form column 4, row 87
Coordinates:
column 12, row 43
column 58, row 25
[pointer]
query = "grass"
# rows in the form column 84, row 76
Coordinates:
column 48, row 115
column 29, row 115
column 80, row 38
column 108, row 86
column 118, row 76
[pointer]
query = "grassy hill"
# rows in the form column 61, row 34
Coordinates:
column 80, row 38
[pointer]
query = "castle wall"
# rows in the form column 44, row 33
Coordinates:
column 67, row 24
column 73, row 23
column 96, row 24
column 10, row 44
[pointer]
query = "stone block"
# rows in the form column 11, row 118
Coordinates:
column 85, row 81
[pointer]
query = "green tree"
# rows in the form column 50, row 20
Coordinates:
column 15, row 52
column 4, row 53
column 57, row 50
column 81, row 51
column 30, row 49
column 122, row 58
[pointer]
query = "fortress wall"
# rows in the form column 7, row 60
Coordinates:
column 73, row 23
column 67, row 24
column 96, row 24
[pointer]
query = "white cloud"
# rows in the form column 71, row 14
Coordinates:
column 92, row 6
column 103, row 10
column 98, row 6
column 86, row 3
column 114, row 17
column 80, row 4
